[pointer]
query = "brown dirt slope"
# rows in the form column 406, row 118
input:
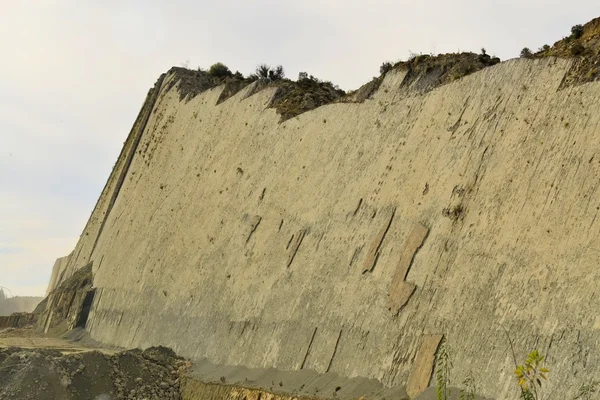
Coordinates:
column 584, row 46
column 296, row 97
column 291, row 99
column 426, row 72
column 193, row 82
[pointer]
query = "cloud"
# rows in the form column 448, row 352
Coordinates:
column 74, row 75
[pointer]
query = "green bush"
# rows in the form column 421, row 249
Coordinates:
column 526, row 53
column 264, row 71
column 277, row 73
column 577, row 31
column 530, row 375
column 219, row 70
column 577, row 49
column 385, row 67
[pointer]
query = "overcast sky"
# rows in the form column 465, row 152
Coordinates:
column 74, row 73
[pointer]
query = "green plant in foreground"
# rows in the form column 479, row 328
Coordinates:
column 442, row 374
column 530, row 375
column 468, row 391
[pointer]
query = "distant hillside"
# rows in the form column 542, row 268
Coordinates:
column 9, row 305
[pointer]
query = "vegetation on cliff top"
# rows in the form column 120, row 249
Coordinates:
column 583, row 44
column 438, row 70
column 193, row 82
column 424, row 72
column 307, row 92
column 291, row 99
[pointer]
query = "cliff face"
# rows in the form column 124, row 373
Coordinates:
column 353, row 237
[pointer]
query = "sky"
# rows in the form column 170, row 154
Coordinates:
column 74, row 74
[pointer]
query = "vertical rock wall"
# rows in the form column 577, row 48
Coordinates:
column 353, row 237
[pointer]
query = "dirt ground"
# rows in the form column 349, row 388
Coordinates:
column 41, row 368
column 74, row 367
column 29, row 339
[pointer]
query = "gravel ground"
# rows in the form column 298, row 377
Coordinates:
column 32, row 374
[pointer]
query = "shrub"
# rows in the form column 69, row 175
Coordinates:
column 467, row 392
column 420, row 58
column 219, row 70
column 577, row 31
column 238, row 75
column 302, row 75
column 530, row 375
column 442, row 374
column 277, row 73
column 385, row 67
column 264, row 71
column 526, row 53
column 484, row 57
column 577, row 49
column 411, row 56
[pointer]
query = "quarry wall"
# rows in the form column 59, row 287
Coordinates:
column 356, row 236
column 17, row 320
column 58, row 272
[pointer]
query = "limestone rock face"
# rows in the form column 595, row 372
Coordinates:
column 353, row 237
column 68, row 305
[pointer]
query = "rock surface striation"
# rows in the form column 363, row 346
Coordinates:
column 354, row 237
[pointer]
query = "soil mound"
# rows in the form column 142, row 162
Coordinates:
column 40, row 374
